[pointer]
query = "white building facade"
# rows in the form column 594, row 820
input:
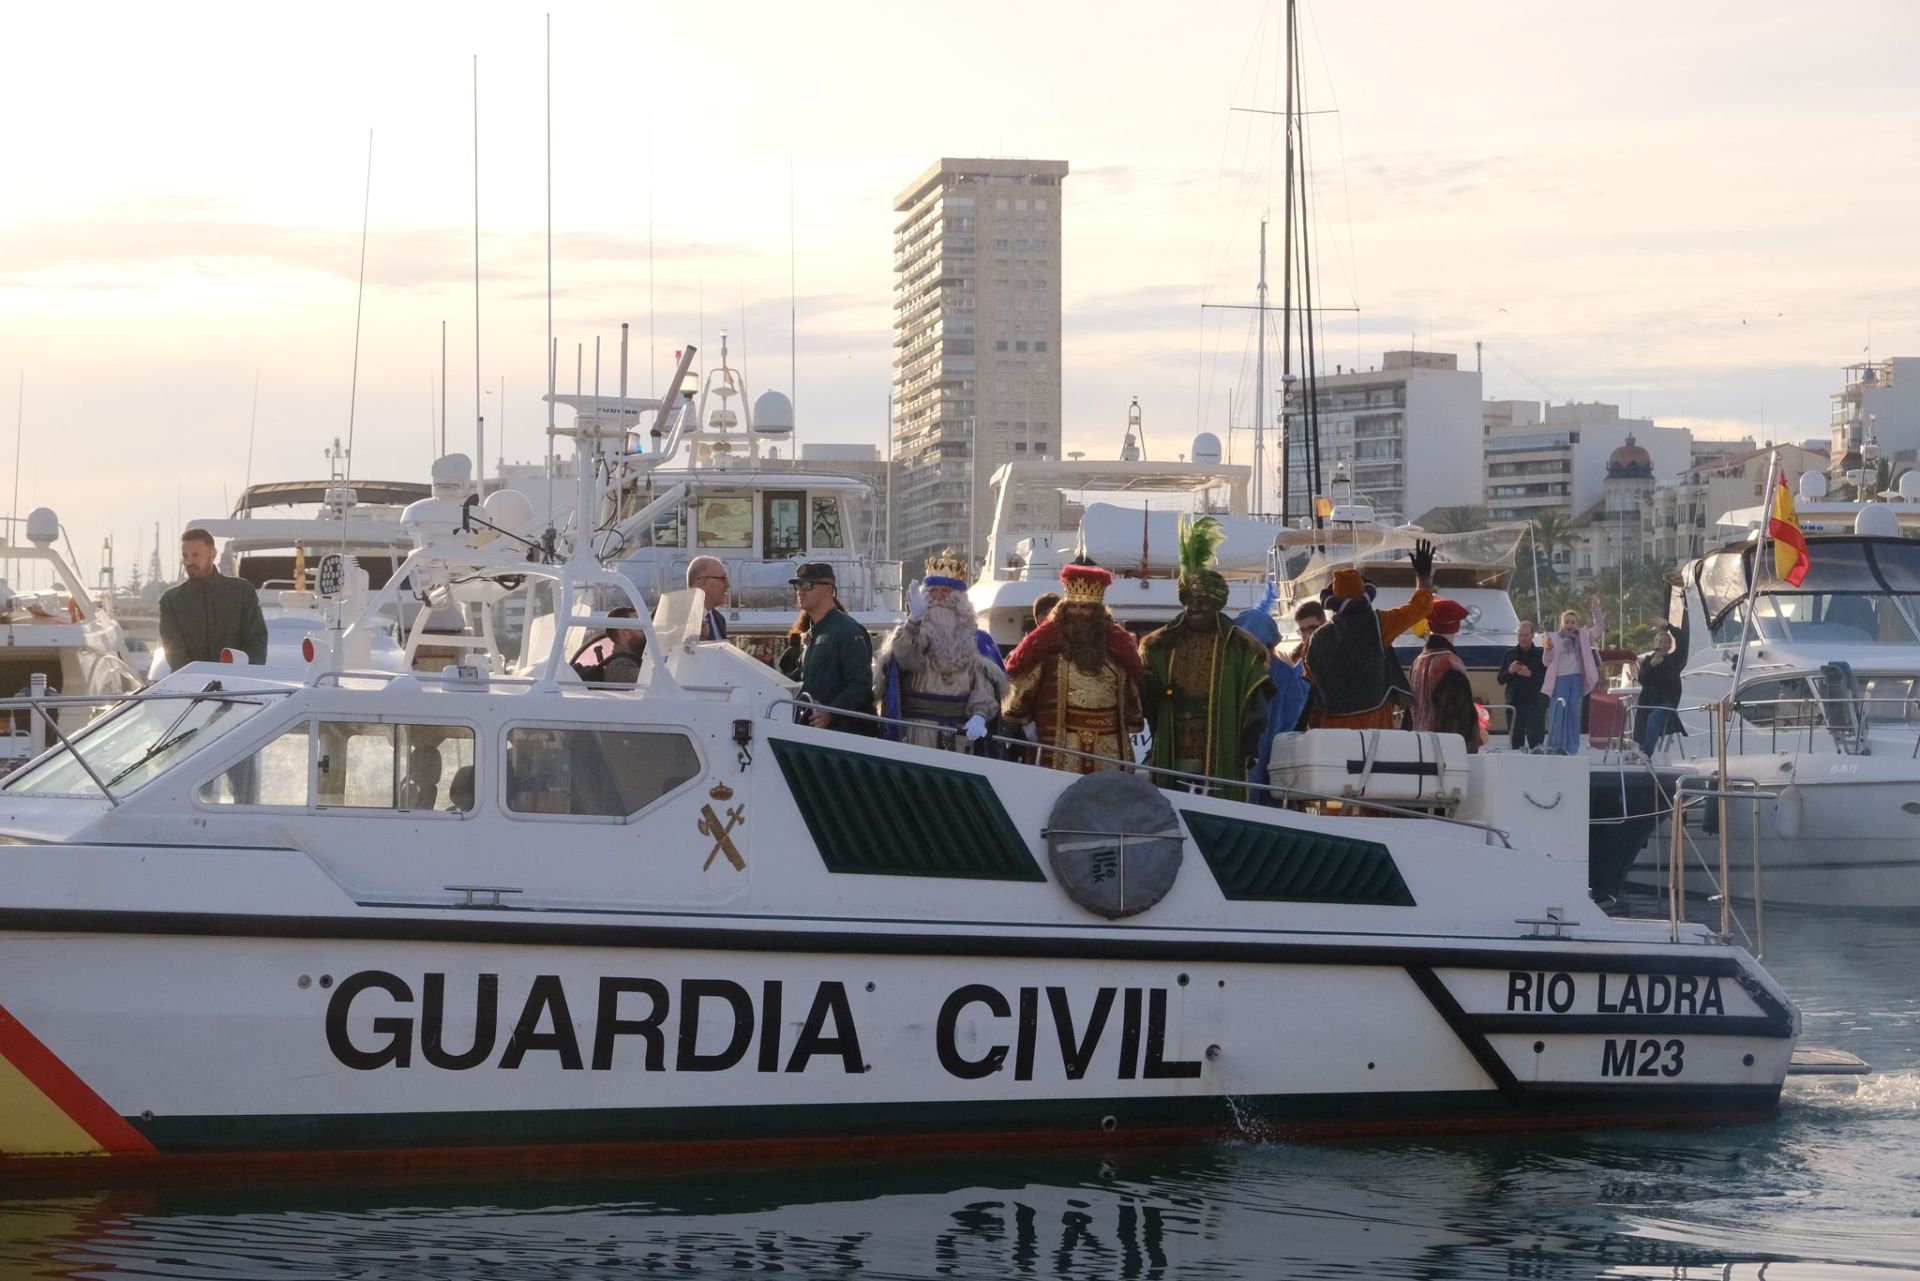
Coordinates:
column 1408, row 435
column 1881, row 399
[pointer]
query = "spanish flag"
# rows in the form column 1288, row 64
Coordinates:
column 1790, row 560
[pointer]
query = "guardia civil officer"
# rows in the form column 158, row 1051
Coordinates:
column 836, row 663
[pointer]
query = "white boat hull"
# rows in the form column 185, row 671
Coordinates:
column 500, row 1034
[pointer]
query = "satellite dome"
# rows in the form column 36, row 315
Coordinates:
column 1910, row 484
column 1206, row 448
column 508, row 508
column 1876, row 520
column 772, row 414
column 1813, row 486
column 43, row 527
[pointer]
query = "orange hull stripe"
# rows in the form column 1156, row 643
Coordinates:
column 65, row 1090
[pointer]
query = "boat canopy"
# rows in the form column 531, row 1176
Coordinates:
column 293, row 493
column 1477, row 558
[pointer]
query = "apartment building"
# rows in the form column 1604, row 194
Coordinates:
column 976, row 328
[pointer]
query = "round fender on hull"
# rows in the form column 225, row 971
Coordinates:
column 1789, row 810
column 1114, row 843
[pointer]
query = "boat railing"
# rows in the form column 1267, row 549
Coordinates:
column 759, row 583
column 1202, row 784
column 1689, row 791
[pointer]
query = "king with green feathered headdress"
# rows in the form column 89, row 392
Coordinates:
column 1201, row 585
column 1207, row 684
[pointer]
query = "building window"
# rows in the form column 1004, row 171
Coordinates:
column 1000, row 346
column 1020, row 206
column 1041, row 345
column 1020, row 346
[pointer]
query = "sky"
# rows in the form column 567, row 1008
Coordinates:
column 1701, row 212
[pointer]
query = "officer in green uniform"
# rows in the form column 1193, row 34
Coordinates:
column 836, row 664
column 209, row 611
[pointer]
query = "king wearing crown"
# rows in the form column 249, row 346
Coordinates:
column 939, row 670
column 1076, row 679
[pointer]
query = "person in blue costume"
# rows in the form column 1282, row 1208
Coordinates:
column 1289, row 687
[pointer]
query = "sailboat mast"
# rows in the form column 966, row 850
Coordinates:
column 1260, row 385
column 1286, row 306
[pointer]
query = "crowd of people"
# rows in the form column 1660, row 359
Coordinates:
column 1198, row 701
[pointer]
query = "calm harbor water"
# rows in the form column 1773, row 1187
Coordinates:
column 1831, row 1189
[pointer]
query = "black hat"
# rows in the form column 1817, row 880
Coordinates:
column 813, row 571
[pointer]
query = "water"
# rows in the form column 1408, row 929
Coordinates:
column 1831, row 1189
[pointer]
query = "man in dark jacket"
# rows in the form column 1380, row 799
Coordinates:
column 209, row 612
column 1523, row 669
column 836, row 664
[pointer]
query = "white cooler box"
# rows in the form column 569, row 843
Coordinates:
column 1392, row 766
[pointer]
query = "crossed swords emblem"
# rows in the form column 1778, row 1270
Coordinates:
column 721, row 833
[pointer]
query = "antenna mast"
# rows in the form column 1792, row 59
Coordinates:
column 1260, row 385
column 353, row 393
column 479, row 419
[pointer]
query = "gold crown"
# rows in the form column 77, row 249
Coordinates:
column 1085, row 584
column 947, row 564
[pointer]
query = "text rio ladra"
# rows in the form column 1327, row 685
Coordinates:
column 376, row 1019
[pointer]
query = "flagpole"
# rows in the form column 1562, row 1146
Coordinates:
column 1753, row 579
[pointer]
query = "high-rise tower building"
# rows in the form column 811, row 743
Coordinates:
column 976, row 343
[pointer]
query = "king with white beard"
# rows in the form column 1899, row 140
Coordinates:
column 939, row 669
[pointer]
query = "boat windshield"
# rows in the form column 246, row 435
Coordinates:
column 1856, row 592
column 130, row 747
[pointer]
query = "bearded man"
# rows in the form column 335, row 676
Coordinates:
column 1207, row 684
column 1076, row 679
column 939, row 669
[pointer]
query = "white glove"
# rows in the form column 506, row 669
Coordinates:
column 1032, row 731
column 916, row 599
column 976, row 728
column 1142, row 746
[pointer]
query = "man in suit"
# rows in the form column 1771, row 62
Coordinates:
column 709, row 574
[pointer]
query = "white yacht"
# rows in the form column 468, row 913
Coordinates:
column 58, row 640
column 1123, row 513
column 1825, row 679
column 330, row 912
column 708, row 478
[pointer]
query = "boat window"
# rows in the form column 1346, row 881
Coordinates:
column 366, row 765
column 1899, row 564
column 132, row 746
column 827, row 531
column 274, row 775
column 600, row 773
column 669, row 529
column 783, row 538
column 1837, row 618
column 1889, row 698
column 725, row 521
column 1781, row 704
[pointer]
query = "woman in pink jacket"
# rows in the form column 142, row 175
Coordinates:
column 1572, row 674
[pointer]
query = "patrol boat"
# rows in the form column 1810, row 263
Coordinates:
column 324, row 913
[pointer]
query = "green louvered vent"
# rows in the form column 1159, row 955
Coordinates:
column 1286, row 865
column 893, row 818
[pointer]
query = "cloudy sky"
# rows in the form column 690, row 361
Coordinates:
column 1700, row 209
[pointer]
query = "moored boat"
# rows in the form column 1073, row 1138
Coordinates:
column 329, row 913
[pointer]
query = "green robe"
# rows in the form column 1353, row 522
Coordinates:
column 1205, row 695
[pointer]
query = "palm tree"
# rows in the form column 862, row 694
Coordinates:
column 1555, row 532
column 1459, row 520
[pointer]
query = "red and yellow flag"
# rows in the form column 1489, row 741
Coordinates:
column 1790, row 559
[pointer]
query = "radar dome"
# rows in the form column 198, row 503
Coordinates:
column 1206, row 449
column 452, row 472
column 43, row 527
column 1876, row 520
column 1910, row 484
column 508, row 508
column 772, row 414
column 1813, row 486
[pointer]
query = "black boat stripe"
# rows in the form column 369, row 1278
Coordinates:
column 1463, row 1027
